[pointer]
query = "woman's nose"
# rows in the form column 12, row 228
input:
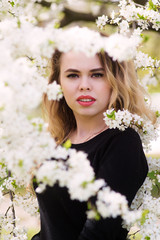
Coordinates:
column 84, row 84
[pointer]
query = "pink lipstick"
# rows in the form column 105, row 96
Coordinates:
column 86, row 100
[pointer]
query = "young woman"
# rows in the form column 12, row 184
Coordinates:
column 90, row 86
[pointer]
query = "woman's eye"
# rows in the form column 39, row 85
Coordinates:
column 97, row 75
column 72, row 75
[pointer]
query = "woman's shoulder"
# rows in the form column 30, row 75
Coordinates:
column 128, row 134
column 106, row 137
column 117, row 141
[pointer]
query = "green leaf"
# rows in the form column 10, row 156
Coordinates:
column 2, row 164
column 57, row 1
column 12, row 3
column 34, row 180
column 145, row 38
column 67, row 144
column 40, row 127
column 141, row 16
column 156, row 189
column 111, row 115
column 84, row 184
column 144, row 216
column 97, row 217
column 56, row 25
column 152, row 6
column 152, row 175
column 18, row 23
column 14, row 184
column 20, row 163
column 50, row 42
column 2, row 108
column 147, row 238
column 155, row 184
column 44, row 145
column 157, row 114
column 89, row 205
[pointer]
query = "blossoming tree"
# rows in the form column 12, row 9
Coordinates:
column 26, row 44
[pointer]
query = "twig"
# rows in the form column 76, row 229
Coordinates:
column 3, row 179
column 11, row 194
column 133, row 234
column 7, row 211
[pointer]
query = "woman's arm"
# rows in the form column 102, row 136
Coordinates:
column 124, row 168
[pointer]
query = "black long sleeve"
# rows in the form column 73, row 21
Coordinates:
column 117, row 157
column 123, row 166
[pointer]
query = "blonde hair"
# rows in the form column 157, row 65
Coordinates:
column 126, row 93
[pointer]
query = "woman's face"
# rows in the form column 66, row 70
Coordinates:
column 84, row 84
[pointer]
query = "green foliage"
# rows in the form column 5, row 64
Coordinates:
column 157, row 114
column 67, row 144
column 145, row 37
column 57, row 25
column 2, row 108
column 51, row 42
column 154, row 89
column 2, row 164
column 14, row 184
column 141, row 17
column 18, row 23
column 152, row 175
column 40, row 126
column 20, row 163
column 92, row 207
column 111, row 115
column 152, row 6
column 84, row 184
column 144, row 216
column 156, row 185
column 12, row 3
column 147, row 238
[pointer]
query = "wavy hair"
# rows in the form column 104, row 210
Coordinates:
column 126, row 93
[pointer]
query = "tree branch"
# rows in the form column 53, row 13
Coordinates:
column 11, row 194
column 72, row 16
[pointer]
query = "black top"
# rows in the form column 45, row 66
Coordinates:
column 116, row 156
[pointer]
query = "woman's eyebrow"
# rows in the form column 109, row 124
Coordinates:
column 72, row 70
column 97, row 69
column 77, row 71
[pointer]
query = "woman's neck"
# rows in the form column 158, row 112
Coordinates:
column 87, row 129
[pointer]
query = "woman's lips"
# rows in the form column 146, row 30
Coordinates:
column 86, row 100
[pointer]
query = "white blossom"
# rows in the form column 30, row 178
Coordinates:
column 54, row 91
column 143, row 60
column 124, row 27
column 27, row 202
column 120, row 47
column 148, row 80
column 101, row 21
column 116, row 202
column 124, row 119
column 79, row 40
